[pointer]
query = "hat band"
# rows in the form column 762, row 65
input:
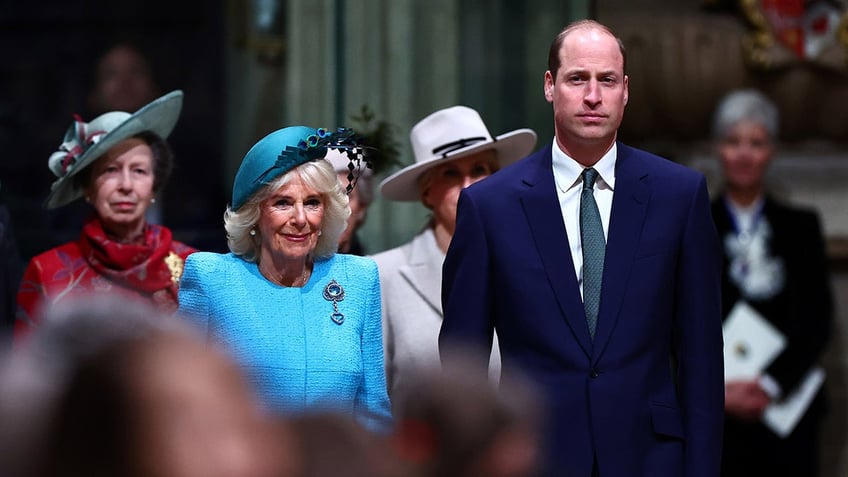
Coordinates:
column 448, row 148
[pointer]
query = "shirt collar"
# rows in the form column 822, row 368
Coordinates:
column 567, row 171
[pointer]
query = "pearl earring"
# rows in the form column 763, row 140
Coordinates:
column 320, row 232
column 253, row 232
column 153, row 200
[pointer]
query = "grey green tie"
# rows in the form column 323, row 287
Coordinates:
column 592, row 237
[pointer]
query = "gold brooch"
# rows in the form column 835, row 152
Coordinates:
column 175, row 265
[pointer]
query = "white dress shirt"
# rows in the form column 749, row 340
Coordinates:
column 569, row 184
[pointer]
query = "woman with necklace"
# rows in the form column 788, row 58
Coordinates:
column 117, row 162
column 775, row 263
column 303, row 320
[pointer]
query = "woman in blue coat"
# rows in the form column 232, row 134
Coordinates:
column 303, row 320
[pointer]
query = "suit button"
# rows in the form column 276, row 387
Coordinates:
column 593, row 373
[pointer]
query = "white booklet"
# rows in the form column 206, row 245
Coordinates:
column 781, row 417
column 750, row 343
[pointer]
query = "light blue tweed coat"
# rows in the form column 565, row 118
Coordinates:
column 296, row 356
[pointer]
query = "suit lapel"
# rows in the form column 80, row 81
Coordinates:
column 544, row 216
column 629, row 206
column 424, row 269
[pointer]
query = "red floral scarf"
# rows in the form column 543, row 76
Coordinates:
column 142, row 266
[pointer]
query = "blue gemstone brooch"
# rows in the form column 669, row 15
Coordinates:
column 335, row 293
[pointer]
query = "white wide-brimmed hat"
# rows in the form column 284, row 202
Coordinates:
column 447, row 135
column 85, row 142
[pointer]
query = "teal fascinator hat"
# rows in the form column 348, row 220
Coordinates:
column 284, row 149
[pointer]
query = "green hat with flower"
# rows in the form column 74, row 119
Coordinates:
column 85, row 142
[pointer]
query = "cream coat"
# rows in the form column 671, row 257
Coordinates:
column 411, row 283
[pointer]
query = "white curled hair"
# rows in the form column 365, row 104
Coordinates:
column 317, row 175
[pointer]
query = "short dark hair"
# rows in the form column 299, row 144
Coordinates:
column 553, row 53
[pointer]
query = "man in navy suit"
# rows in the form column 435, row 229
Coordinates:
column 642, row 392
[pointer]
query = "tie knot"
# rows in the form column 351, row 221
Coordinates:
column 589, row 177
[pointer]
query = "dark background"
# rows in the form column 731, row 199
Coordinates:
column 49, row 50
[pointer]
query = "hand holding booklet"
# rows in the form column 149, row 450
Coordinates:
column 751, row 343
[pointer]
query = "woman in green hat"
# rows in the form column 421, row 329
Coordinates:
column 117, row 163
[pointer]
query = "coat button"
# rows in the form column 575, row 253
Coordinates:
column 593, row 373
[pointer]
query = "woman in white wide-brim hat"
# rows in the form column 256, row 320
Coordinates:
column 117, row 163
column 453, row 149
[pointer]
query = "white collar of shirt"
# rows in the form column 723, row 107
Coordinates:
column 746, row 217
column 567, row 171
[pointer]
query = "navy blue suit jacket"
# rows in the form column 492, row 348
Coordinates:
column 646, row 398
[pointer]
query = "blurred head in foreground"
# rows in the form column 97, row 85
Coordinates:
column 108, row 387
